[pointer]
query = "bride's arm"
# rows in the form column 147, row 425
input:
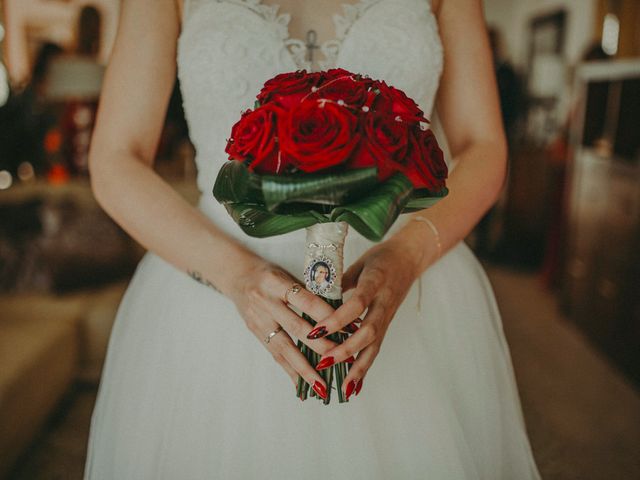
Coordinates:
column 468, row 107
column 469, row 110
column 133, row 103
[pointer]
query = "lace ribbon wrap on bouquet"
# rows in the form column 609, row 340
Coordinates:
column 323, row 267
column 323, row 151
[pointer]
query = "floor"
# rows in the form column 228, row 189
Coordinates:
column 583, row 418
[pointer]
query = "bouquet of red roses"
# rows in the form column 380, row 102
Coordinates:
column 321, row 151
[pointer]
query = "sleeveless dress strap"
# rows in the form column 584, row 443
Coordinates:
column 189, row 6
column 186, row 4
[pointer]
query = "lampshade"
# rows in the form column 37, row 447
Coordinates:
column 74, row 77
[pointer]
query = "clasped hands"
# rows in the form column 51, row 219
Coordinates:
column 379, row 281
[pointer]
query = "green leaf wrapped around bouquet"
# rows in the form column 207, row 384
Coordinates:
column 255, row 220
column 324, row 189
column 267, row 205
column 373, row 214
column 235, row 183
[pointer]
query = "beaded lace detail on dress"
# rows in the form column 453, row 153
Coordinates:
column 280, row 22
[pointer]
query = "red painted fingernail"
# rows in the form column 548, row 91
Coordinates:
column 350, row 386
column 320, row 389
column 350, row 359
column 359, row 387
column 324, row 363
column 317, row 332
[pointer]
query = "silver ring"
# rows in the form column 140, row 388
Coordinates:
column 295, row 288
column 273, row 334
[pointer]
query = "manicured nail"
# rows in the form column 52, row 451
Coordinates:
column 324, row 363
column 350, row 359
column 320, row 389
column 317, row 332
column 359, row 386
column 350, row 386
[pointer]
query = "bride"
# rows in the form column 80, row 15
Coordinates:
column 190, row 387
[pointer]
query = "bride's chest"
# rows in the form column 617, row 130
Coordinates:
column 311, row 21
column 228, row 48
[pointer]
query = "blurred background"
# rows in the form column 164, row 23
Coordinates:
column 560, row 247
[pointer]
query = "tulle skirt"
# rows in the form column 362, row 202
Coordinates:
column 188, row 392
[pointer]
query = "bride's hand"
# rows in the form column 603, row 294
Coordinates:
column 381, row 279
column 261, row 294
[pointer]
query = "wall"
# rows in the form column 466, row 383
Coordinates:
column 512, row 18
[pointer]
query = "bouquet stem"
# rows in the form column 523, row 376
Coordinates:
column 323, row 276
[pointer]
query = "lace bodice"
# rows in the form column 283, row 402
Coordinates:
column 227, row 49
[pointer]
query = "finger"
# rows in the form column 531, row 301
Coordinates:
column 299, row 328
column 307, row 296
column 311, row 304
column 352, row 308
column 368, row 334
column 286, row 367
column 350, row 277
column 279, row 358
column 301, row 365
column 353, row 381
column 354, row 385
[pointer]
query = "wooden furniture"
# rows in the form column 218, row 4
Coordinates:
column 38, row 355
column 602, row 272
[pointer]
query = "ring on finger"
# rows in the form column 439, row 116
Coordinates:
column 273, row 334
column 295, row 288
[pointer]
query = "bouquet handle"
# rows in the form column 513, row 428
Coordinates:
column 323, row 268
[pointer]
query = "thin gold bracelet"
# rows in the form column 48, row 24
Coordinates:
column 433, row 228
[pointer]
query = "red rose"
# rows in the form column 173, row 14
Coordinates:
column 340, row 73
column 316, row 135
column 385, row 144
column 348, row 90
column 397, row 103
column 334, row 73
column 426, row 167
column 253, row 139
column 288, row 89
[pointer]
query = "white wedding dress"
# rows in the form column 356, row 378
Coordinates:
column 188, row 392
